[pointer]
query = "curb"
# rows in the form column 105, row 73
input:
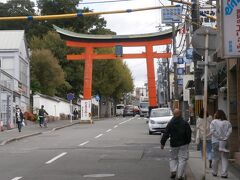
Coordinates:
column 61, row 127
column 35, row 134
column 18, row 138
column 189, row 173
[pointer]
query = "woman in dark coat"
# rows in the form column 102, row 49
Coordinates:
column 19, row 119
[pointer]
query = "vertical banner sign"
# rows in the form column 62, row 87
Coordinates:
column 86, row 106
column 231, row 28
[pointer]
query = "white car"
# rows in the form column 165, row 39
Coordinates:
column 119, row 109
column 159, row 119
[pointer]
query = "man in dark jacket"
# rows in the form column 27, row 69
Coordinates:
column 179, row 132
column 41, row 115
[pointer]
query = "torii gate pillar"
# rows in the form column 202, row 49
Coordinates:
column 152, row 93
column 87, row 87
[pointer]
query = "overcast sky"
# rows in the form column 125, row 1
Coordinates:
column 130, row 23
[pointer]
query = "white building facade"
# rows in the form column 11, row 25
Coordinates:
column 55, row 106
column 14, row 74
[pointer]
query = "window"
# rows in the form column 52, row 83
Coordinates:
column 23, row 72
column 7, row 64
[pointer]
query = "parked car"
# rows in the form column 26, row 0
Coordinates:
column 159, row 119
column 136, row 110
column 119, row 109
column 128, row 111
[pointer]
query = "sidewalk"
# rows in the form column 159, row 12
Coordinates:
column 196, row 166
column 32, row 129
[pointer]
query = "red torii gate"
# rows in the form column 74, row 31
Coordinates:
column 89, row 42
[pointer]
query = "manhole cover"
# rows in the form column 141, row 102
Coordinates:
column 98, row 175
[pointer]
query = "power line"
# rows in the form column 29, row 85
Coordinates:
column 80, row 14
column 100, row 2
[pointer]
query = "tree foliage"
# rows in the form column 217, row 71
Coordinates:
column 51, row 73
column 46, row 73
column 111, row 78
column 80, row 24
column 73, row 70
column 22, row 8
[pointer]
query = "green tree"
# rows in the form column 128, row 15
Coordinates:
column 83, row 24
column 111, row 78
column 73, row 69
column 17, row 8
column 22, row 8
column 46, row 73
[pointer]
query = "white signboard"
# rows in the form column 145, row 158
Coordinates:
column 208, row 10
column 172, row 15
column 86, row 106
column 231, row 28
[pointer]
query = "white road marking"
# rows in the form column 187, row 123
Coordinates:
column 55, row 158
column 109, row 130
column 83, row 143
column 98, row 175
column 98, row 136
column 17, row 178
column 123, row 122
column 130, row 119
column 116, row 126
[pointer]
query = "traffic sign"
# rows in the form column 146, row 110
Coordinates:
column 198, row 40
column 172, row 14
column 97, row 97
column 180, row 60
column 70, row 96
column 180, row 71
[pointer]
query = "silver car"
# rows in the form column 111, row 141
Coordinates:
column 159, row 119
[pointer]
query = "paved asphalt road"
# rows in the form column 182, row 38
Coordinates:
column 111, row 149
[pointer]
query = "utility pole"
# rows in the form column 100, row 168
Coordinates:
column 197, row 72
column 174, row 63
column 168, row 80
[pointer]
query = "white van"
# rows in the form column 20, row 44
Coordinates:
column 143, row 106
column 119, row 109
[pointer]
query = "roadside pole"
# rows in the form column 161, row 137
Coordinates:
column 168, row 81
column 204, row 41
column 98, row 109
column 71, row 111
column 70, row 97
column 174, row 63
column 205, row 100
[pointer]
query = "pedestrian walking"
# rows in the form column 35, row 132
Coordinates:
column 179, row 132
column 220, row 129
column 200, row 133
column 19, row 118
column 75, row 114
column 41, row 114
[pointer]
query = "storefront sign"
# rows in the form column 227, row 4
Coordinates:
column 231, row 28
